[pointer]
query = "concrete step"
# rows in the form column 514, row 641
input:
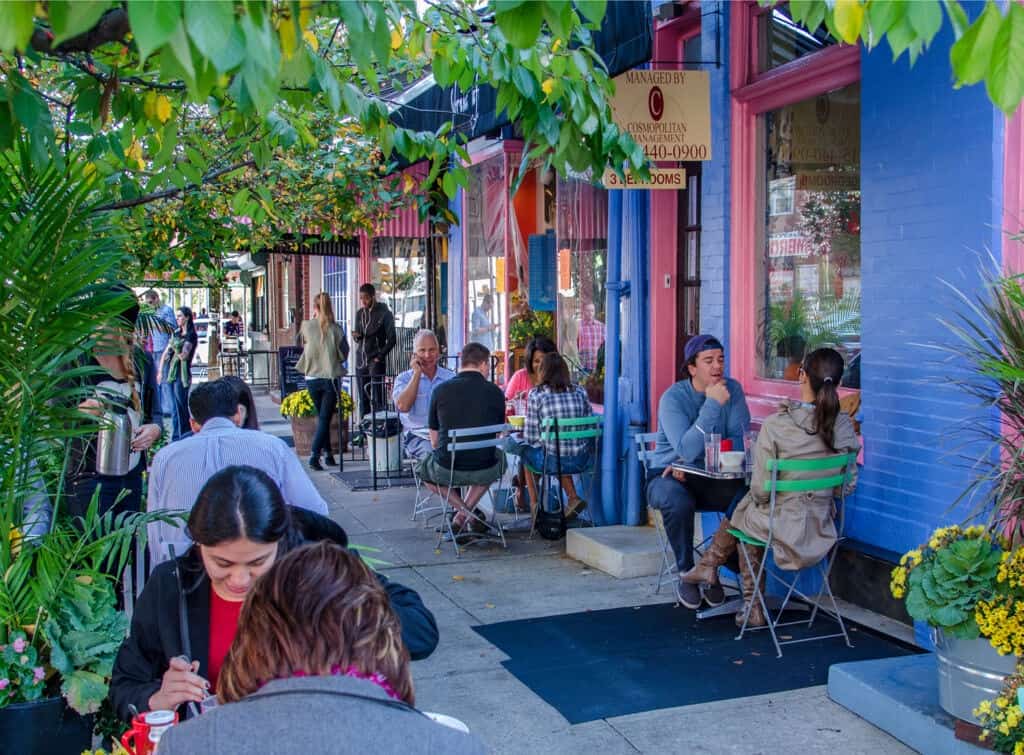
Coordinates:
column 901, row 697
column 623, row 552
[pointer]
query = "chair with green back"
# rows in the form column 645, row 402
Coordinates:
column 835, row 474
column 554, row 429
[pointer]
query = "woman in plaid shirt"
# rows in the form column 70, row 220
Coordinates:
column 555, row 396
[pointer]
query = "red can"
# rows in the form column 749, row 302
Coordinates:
column 146, row 730
column 726, row 444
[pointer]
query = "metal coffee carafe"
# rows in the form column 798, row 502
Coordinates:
column 114, row 444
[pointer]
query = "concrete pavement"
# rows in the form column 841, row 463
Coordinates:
column 464, row 676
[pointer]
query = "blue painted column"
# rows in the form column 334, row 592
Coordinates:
column 456, row 289
column 613, row 286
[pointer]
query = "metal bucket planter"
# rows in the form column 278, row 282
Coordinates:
column 969, row 671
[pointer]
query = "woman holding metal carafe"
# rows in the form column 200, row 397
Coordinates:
column 124, row 397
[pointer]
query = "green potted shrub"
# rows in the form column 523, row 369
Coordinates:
column 299, row 408
column 944, row 582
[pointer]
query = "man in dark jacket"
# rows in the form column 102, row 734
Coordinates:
column 160, row 633
column 374, row 335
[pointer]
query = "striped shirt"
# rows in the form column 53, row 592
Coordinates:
column 181, row 469
column 589, row 341
column 544, row 403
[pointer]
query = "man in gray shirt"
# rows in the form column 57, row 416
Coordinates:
column 708, row 402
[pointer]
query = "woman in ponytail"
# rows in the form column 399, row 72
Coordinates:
column 324, row 351
column 803, row 531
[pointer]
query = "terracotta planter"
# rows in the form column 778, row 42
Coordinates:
column 304, row 428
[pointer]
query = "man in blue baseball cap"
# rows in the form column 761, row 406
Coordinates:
column 707, row 402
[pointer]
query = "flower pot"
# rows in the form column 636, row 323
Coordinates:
column 969, row 671
column 44, row 727
column 304, row 428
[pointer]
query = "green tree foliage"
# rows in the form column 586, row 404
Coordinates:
column 218, row 123
column 989, row 48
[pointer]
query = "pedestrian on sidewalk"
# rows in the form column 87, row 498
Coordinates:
column 324, row 351
column 159, row 340
column 176, row 369
column 374, row 335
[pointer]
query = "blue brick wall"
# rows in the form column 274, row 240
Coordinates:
column 714, row 256
column 931, row 182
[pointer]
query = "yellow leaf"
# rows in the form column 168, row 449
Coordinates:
column 83, row 579
column 149, row 105
column 548, row 86
column 310, row 38
column 162, row 109
column 849, row 18
column 396, row 39
column 457, row 578
column 89, row 169
column 305, row 13
column 286, row 31
column 408, row 184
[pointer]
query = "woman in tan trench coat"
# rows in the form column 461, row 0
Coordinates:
column 804, row 529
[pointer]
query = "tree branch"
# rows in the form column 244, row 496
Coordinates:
column 168, row 193
column 113, row 26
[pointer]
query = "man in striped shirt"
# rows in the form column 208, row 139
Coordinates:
column 180, row 469
column 590, row 338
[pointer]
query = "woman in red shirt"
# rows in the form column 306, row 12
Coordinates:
column 187, row 616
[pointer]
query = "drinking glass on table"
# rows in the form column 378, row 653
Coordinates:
column 712, row 449
column 749, row 441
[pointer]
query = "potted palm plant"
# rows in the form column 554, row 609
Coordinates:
column 59, row 623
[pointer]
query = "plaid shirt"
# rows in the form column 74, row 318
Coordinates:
column 589, row 341
column 544, row 403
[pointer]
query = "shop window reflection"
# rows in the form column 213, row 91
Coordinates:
column 810, row 261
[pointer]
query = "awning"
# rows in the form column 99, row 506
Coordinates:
column 624, row 41
column 311, row 246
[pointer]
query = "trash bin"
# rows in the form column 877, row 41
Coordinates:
column 383, row 431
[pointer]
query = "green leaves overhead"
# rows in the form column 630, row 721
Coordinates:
column 153, row 24
column 989, row 48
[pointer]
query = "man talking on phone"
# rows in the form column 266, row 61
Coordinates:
column 413, row 389
column 707, row 402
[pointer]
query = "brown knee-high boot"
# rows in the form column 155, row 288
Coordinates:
column 747, row 577
column 722, row 546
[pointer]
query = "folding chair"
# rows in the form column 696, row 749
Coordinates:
column 644, row 453
column 458, row 441
column 839, row 466
column 421, row 505
column 578, row 428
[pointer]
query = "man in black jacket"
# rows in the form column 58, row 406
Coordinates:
column 159, row 632
column 375, row 337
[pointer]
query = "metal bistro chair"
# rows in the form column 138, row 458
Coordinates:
column 459, row 440
column 551, row 431
column 644, row 453
column 839, row 466
column 421, row 505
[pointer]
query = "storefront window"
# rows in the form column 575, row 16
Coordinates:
column 582, row 233
column 781, row 39
column 485, row 222
column 399, row 273
column 336, row 285
column 810, row 249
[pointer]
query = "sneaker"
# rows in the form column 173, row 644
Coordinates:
column 714, row 595
column 688, row 595
column 329, row 461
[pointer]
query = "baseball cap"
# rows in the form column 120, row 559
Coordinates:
column 697, row 344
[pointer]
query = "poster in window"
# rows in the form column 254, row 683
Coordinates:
column 807, row 279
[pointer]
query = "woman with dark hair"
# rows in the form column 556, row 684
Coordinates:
column 555, row 396
column 803, row 530
column 318, row 653
column 525, row 380
column 187, row 616
column 245, row 400
column 126, row 386
column 176, row 368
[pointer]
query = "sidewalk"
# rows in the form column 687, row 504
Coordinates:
column 464, row 677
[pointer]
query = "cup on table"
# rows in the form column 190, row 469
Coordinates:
column 712, row 449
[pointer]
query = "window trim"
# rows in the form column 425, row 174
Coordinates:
column 753, row 94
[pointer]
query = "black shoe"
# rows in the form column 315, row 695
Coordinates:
column 688, row 595
column 314, row 464
column 714, row 595
column 329, row 461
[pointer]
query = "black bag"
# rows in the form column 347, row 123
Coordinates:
column 551, row 524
